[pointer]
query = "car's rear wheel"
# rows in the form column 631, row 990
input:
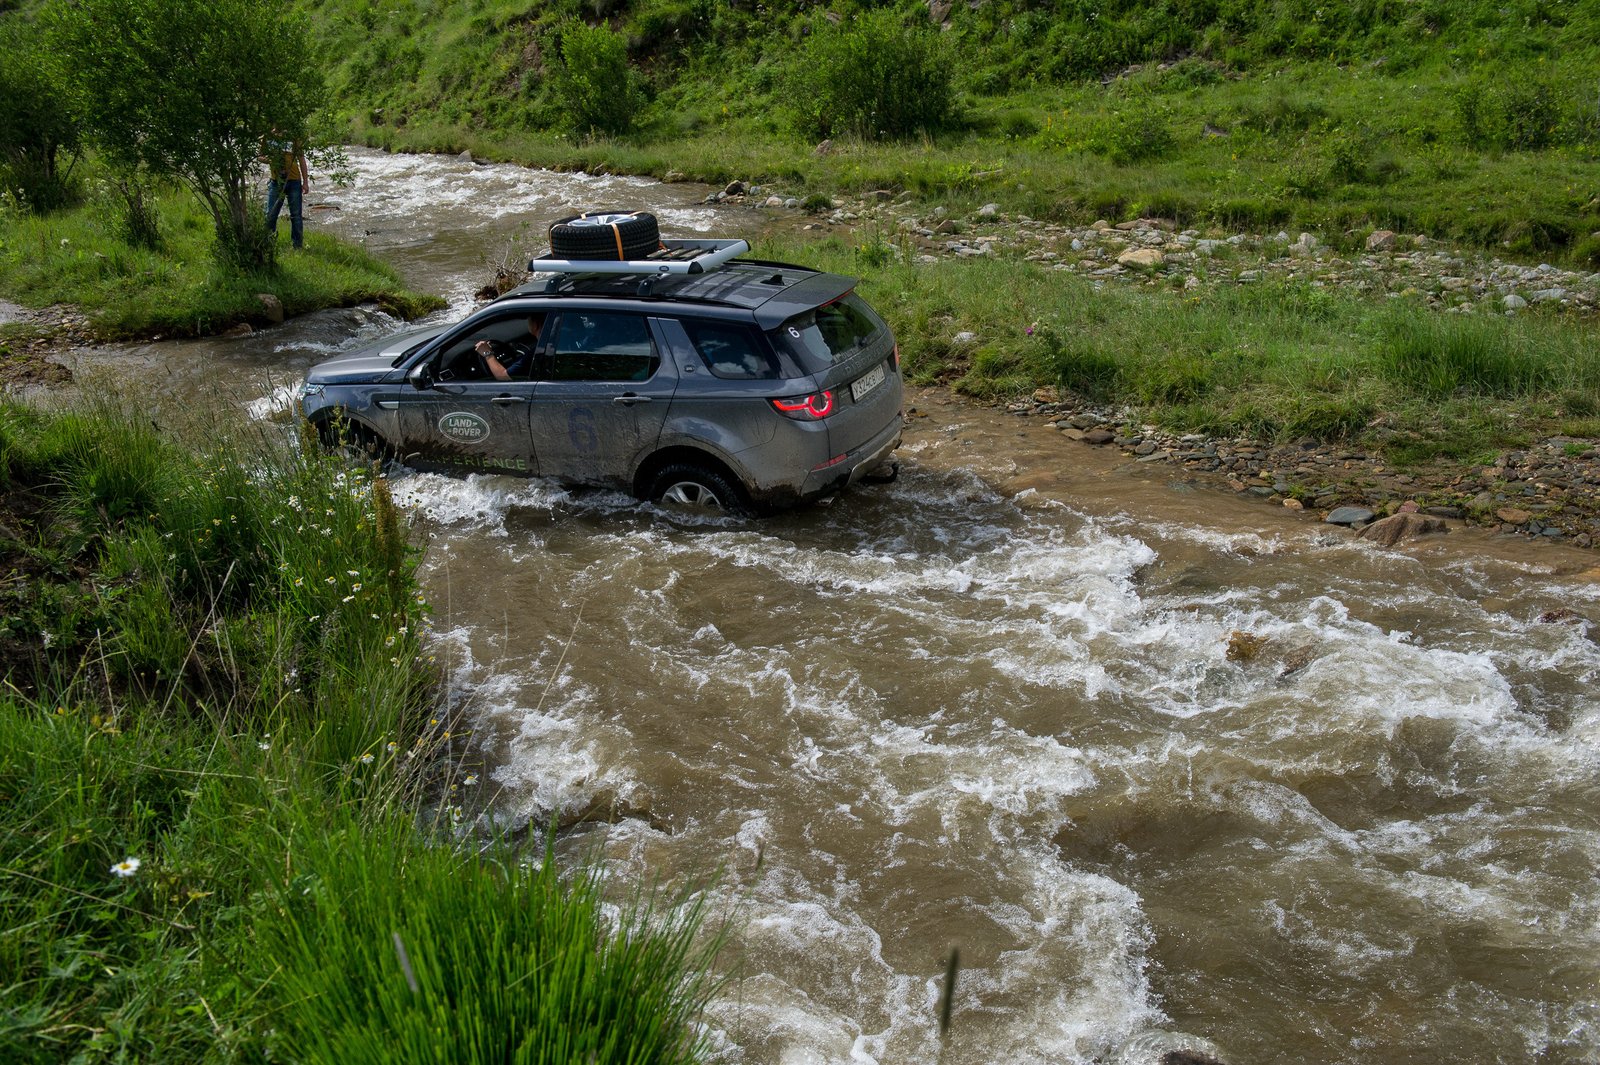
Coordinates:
column 692, row 487
column 605, row 235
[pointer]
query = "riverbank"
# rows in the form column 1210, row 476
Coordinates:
column 238, row 825
column 78, row 279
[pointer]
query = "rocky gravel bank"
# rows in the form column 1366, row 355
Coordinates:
column 1551, row 490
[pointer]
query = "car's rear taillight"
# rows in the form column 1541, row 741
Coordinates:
column 810, row 408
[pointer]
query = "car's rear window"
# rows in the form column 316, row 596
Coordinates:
column 831, row 333
column 732, row 352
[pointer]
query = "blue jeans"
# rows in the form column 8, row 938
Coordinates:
column 279, row 193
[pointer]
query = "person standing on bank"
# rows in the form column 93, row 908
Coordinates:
column 289, row 177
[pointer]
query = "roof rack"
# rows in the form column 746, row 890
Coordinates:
column 674, row 257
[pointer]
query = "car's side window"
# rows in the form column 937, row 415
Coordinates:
column 732, row 352
column 459, row 362
column 601, row 346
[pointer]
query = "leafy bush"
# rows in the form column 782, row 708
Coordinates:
column 1018, row 125
column 1133, row 136
column 37, row 127
column 594, row 81
column 874, row 77
column 1520, row 114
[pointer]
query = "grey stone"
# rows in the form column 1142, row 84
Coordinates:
column 272, row 306
column 963, row 338
column 1349, row 516
column 1099, row 436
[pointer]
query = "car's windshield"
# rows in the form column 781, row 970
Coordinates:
column 831, row 333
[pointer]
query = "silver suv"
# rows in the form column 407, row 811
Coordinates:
column 696, row 378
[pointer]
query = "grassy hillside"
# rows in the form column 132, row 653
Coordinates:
column 1474, row 121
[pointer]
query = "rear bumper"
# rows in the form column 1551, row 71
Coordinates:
column 855, row 464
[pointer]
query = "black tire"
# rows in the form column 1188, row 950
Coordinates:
column 352, row 441
column 693, row 487
column 600, row 235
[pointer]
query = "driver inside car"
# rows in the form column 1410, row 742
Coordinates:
column 508, row 360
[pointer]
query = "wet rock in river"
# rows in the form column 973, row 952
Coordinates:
column 1349, row 516
column 1397, row 527
column 1245, row 646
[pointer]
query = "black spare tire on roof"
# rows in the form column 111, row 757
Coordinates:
column 608, row 235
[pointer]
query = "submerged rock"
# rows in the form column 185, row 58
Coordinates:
column 1398, row 527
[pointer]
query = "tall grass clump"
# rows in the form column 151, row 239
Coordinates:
column 462, row 957
column 222, row 765
column 1439, row 355
column 872, row 76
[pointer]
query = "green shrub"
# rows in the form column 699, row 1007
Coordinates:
column 1133, row 136
column 1018, row 125
column 598, row 88
column 1282, row 113
column 1521, row 114
column 874, row 77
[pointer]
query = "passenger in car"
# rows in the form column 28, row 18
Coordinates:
column 509, row 360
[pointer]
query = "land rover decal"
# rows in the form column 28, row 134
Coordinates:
column 466, row 427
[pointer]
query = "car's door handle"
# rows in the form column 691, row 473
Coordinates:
column 504, row 400
column 629, row 399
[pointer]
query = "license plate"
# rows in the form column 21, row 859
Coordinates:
column 867, row 382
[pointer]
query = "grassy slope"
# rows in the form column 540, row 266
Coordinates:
column 1334, row 116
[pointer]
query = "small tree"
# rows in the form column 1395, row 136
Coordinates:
column 36, row 125
column 873, row 76
column 594, row 82
column 189, row 89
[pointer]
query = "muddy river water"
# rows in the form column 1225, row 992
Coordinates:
column 993, row 707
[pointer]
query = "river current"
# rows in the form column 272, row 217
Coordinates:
column 1169, row 770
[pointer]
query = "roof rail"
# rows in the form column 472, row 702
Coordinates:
column 674, row 257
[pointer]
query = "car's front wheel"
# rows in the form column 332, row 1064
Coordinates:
column 692, row 487
column 352, row 441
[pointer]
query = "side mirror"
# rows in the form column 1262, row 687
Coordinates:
column 421, row 377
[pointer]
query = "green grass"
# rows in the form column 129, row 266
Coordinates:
column 75, row 257
column 1468, row 121
column 214, row 665
column 1271, row 359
